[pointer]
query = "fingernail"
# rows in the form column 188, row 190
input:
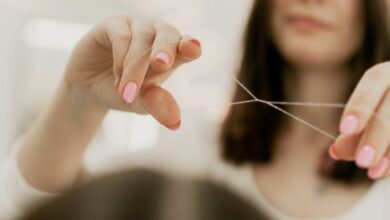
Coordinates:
column 349, row 125
column 195, row 41
column 130, row 92
column 379, row 170
column 175, row 127
column 333, row 153
column 365, row 157
column 163, row 57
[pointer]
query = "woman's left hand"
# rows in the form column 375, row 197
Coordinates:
column 365, row 124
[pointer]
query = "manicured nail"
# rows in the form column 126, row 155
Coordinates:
column 380, row 169
column 365, row 157
column 163, row 57
column 333, row 153
column 175, row 127
column 195, row 41
column 349, row 125
column 130, row 92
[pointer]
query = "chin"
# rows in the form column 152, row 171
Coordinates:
column 310, row 57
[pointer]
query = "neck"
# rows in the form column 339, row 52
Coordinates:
column 320, row 86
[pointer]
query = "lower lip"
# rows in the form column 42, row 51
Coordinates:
column 306, row 25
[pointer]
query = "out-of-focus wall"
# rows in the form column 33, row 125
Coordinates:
column 10, row 24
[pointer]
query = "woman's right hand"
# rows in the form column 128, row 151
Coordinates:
column 121, row 63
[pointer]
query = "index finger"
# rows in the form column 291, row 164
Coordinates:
column 365, row 99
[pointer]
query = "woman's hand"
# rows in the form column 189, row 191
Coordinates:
column 365, row 125
column 114, row 52
column 122, row 61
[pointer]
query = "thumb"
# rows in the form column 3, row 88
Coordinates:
column 159, row 103
column 345, row 146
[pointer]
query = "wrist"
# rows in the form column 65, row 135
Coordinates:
column 58, row 139
column 80, row 102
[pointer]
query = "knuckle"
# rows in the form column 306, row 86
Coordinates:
column 162, row 25
column 362, row 99
column 379, row 72
column 146, row 33
column 101, row 25
column 123, row 37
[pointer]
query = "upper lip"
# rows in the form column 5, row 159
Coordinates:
column 310, row 19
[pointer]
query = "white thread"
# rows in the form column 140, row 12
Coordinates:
column 284, row 111
column 311, row 104
column 304, row 122
column 274, row 104
column 217, row 106
column 384, row 122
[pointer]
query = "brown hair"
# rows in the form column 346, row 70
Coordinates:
column 249, row 131
column 147, row 195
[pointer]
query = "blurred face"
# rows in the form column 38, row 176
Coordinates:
column 317, row 33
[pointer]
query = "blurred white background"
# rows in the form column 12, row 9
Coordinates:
column 37, row 37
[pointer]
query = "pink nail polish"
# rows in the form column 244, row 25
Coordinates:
column 175, row 127
column 365, row 157
column 195, row 41
column 380, row 169
column 163, row 57
column 130, row 92
column 349, row 125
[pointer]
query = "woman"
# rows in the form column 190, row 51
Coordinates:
column 295, row 50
